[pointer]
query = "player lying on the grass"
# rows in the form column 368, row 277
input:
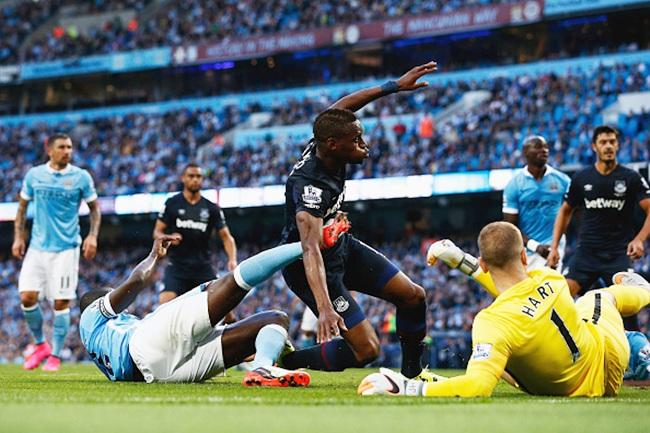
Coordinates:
column 181, row 341
column 535, row 332
column 638, row 370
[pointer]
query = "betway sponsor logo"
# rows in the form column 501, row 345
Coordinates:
column 191, row 224
column 603, row 203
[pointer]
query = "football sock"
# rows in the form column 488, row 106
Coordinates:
column 412, row 349
column 335, row 355
column 629, row 299
column 268, row 345
column 61, row 326
column 485, row 280
column 34, row 319
column 411, row 328
column 260, row 267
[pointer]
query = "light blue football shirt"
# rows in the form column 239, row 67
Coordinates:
column 57, row 196
column 106, row 337
column 536, row 203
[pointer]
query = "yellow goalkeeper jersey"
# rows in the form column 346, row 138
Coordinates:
column 550, row 346
column 535, row 331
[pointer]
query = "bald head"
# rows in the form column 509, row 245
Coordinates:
column 536, row 151
column 500, row 244
column 534, row 140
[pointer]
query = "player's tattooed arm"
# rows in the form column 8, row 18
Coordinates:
column 636, row 247
column 311, row 230
column 406, row 82
column 141, row 276
column 18, row 247
column 90, row 243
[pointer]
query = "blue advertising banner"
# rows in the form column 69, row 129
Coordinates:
column 141, row 59
column 556, row 7
column 58, row 68
column 118, row 62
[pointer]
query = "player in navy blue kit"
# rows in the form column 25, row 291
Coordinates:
column 182, row 340
column 194, row 218
column 314, row 194
column 607, row 193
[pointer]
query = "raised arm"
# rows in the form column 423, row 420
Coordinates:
column 141, row 276
column 311, row 231
column 406, row 82
column 18, row 247
column 90, row 243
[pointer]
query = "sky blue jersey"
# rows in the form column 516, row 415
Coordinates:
column 536, row 203
column 56, row 196
column 106, row 336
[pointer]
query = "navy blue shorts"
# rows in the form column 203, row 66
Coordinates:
column 181, row 281
column 356, row 267
column 594, row 269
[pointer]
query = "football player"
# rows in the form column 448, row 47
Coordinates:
column 534, row 332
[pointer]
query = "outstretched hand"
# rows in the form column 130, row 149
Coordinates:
column 408, row 81
column 162, row 243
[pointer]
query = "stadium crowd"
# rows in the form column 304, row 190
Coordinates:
column 201, row 20
column 452, row 298
column 17, row 21
column 143, row 152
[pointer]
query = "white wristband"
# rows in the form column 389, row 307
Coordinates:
column 532, row 245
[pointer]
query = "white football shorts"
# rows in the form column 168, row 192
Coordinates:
column 535, row 261
column 176, row 343
column 53, row 274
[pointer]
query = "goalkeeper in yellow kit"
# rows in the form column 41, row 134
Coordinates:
column 533, row 330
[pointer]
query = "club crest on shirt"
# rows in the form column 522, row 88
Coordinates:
column 341, row 304
column 312, row 196
column 554, row 186
column 619, row 188
column 204, row 214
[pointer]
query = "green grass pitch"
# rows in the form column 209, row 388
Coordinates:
column 80, row 399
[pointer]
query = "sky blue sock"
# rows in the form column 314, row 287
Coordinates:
column 260, row 267
column 61, row 326
column 34, row 319
column 268, row 345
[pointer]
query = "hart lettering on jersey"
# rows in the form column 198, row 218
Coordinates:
column 544, row 292
column 191, row 224
column 604, row 203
